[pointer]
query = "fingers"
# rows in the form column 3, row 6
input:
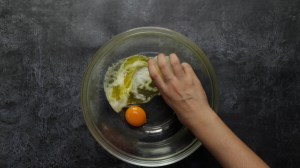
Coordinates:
column 165, row 68
column 154, row 73
column 176, row 66
column 189, row 72
column 170, row 70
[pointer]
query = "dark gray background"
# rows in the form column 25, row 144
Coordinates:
column 45, row 46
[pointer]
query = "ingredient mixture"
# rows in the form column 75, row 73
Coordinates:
column 127, row 82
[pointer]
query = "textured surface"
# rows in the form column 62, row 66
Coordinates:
column 46, row 45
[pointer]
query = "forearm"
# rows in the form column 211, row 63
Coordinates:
column 183, row 92
column 226, row 147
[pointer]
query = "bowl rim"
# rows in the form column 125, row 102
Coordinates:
column 85, row 106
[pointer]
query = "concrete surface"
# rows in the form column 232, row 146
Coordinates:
column 46, row 45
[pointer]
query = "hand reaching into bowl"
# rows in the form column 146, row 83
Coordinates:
column 180, row 88
column 182, row 91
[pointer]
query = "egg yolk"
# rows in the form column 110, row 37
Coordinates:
column 135, row 116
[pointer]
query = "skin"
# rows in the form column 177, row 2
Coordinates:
column 182, row 91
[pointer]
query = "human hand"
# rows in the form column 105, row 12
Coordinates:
column 180, row 88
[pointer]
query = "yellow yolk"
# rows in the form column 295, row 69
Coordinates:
column 135, row 116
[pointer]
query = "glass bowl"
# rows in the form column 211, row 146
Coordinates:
column 162, row 140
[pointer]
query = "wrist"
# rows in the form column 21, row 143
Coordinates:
column 204, row 119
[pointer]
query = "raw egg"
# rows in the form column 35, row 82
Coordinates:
column 135, row 116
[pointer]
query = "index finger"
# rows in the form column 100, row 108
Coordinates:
column 155, row 75
column 176, row 66
column 165, row 68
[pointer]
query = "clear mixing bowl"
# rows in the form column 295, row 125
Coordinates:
column 162, row 140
